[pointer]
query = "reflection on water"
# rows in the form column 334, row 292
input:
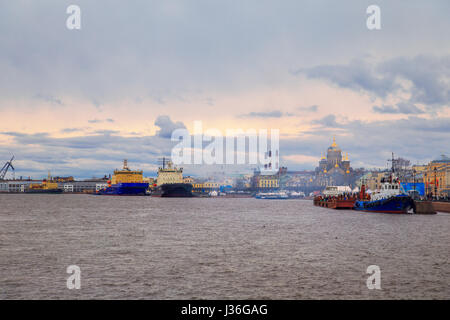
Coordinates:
column 153, row 248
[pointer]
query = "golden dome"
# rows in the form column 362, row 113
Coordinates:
column 334, row 146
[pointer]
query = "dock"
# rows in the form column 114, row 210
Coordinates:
column 441, row 206
column 423, row 207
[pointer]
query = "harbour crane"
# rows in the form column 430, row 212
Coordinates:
column 5, row 168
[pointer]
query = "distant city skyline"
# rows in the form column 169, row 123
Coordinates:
column 78, row 102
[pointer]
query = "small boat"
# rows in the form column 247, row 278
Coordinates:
column 296, row 195
column 272, row 195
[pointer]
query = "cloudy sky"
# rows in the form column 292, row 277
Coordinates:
column 79, row 101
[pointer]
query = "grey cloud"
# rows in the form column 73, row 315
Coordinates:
column 101, row 120
column 70, row 130
column 312, row 108
column 167, row 126
column 401, row 108
column 49, row 98
column 268, row 114
column 107, row 132
column 385, row 109
column 358, row 75
column 429, row 76
column 328, row 121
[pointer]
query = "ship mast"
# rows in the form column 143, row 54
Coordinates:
column 163, row 161
column 392, row 163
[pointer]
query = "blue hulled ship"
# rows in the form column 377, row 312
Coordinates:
column 400, row 203
column 125, row 189
column 126, row 182
column 391, row 198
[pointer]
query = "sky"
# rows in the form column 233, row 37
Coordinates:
column 78, row 102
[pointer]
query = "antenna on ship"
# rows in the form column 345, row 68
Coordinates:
column 162, row 161
column 392, row 162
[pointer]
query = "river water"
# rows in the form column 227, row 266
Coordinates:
column 210, row 248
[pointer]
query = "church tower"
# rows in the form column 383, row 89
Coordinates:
column 346, row 163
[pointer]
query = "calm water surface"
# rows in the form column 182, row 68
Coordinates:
column 150, row 248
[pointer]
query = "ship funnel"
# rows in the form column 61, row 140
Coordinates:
column 125, row 164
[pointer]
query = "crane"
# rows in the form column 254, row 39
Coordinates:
column 5, row 168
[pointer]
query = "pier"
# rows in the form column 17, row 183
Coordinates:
column 424, row 207
column 441, row 206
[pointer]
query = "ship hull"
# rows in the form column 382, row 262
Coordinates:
column 335, row 203
column 124, row 189
column 397, row 204
column 173, row 190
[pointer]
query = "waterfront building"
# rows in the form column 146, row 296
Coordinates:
column 268, row 181
column 15, row 186
column 372, row 180
column 209, row 186
column 436, row 177
column 267, row 177
column 63, row 179
column 299, row 180
column 83, row 186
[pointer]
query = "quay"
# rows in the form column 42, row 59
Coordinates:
column 423, row 207
column 441, row 206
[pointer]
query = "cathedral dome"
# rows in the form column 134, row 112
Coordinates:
column 334, row 146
